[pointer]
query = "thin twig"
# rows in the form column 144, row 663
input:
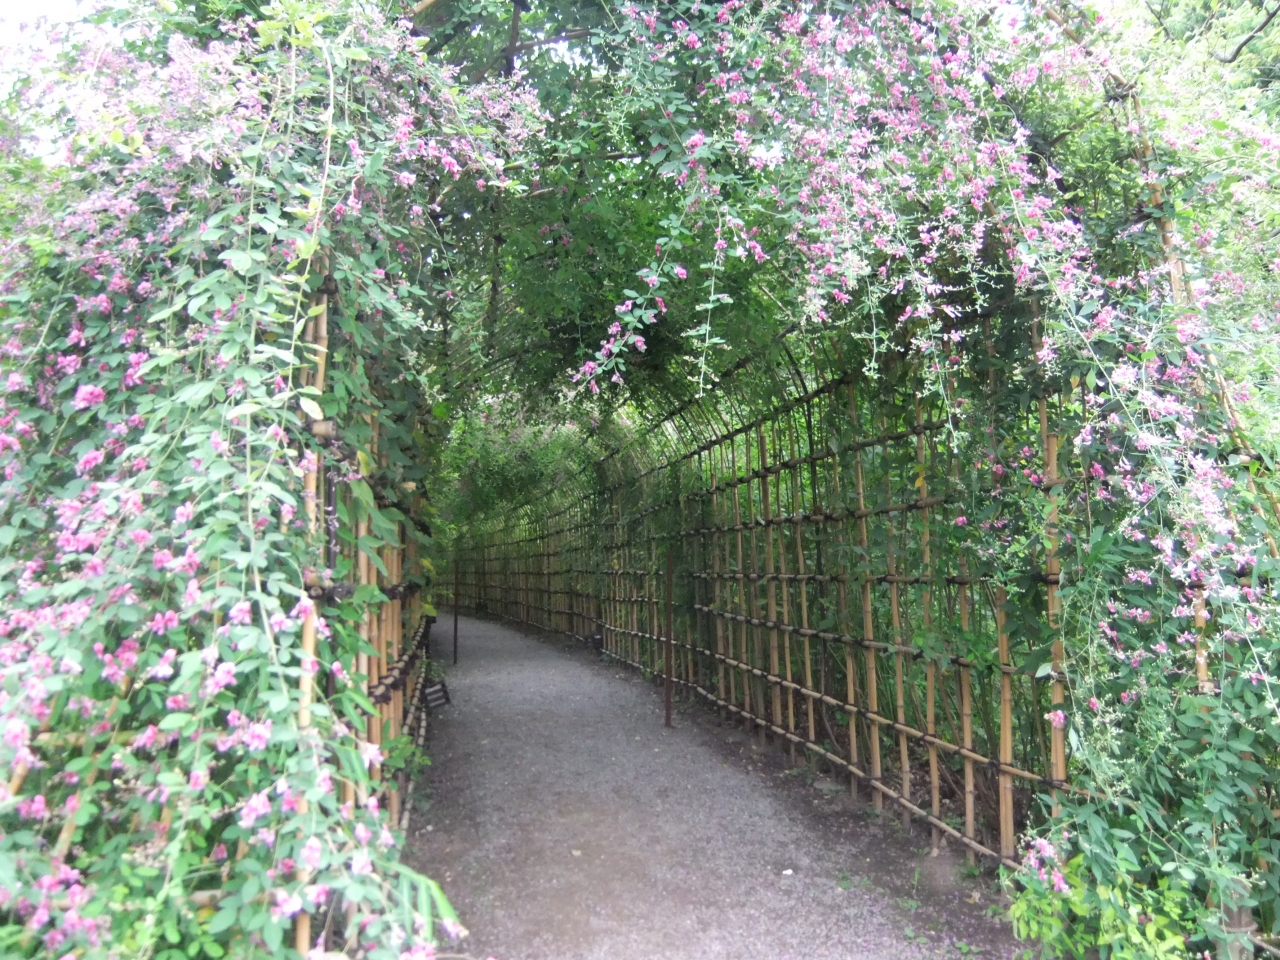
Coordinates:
column 1271, row 15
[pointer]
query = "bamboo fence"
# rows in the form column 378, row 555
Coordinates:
column 819, row 595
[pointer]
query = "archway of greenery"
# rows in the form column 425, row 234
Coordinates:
column 299, row 295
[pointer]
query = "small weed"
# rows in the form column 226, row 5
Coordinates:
column 906, row 903
column 966, row 950
column 971, row 871
column 844, row 881
column 912, row 938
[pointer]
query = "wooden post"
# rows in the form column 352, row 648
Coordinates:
column 797, row 504
column 926, row 603
column 868, row 634
column 671, row 637
column 771, row 586
column 319, row 329
column 1052, row 569
column 1006, row 728
column 899, row 667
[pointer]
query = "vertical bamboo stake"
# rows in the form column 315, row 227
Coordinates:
column 1006, row 728
column 1203, row 684
column 868, row 634
column 740, row 570
column 966, row 718
column 668, row 680
column 751, row 635
column 842, row 607
column 899, row 667
column 318, row 329
column 786, row 605
column 926, row 602
column 394, row 707
column 797, row 502
column 1052, row 566
column 717, row 588
column 771, row 587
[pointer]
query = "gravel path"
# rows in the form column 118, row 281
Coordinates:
column 565, row 823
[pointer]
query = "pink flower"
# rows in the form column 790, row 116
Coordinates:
column 255, row 808
column 961, row 521
column 1057, row 718
column 361, row 865
column 188, row 563
column 164, row 622
column 146, row 738
column 184, row 513
column 681, row 272
column 88, row 396
column 639, row 342
column 161, row 558
column 257, row 736
column 241, row 613
column 311, row 854
column 179, row 701
column 223, row 676
column 1060, row 884
column 286, row 905
column 198, row 780
column 1094, row 705
column 140, row 537
column 88, row 462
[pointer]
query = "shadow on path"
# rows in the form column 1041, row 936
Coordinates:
column 565, row 823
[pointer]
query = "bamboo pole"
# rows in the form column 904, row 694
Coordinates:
column 771, row 586
column 797, row 499
column 926, row 602
column 671, row 636
column 842, row 608
column 318, row 330
column 1053, row 566
column 741, row 586
column 786, row 608
column 1007, row 836
column 899, row 668
column 868, row 634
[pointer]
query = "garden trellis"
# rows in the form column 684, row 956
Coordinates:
column 821, row 591
column 980, row 508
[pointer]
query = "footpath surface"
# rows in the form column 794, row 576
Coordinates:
column 566, row 823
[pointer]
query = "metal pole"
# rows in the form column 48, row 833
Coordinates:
column 668, row 682
column 456, row 578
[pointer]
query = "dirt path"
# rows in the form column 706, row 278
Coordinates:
column 565, row 823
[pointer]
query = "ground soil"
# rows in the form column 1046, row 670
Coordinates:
column 566, row 823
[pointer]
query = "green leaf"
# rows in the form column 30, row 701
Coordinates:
column 174, row 721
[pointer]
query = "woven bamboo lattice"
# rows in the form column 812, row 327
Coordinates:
column 819, row 589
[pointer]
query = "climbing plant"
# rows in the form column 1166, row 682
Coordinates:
column 206, row 186
column 991, row 209
column 547, row 227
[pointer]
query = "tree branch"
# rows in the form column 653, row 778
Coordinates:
column 567, row 35
column 1271, row 15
